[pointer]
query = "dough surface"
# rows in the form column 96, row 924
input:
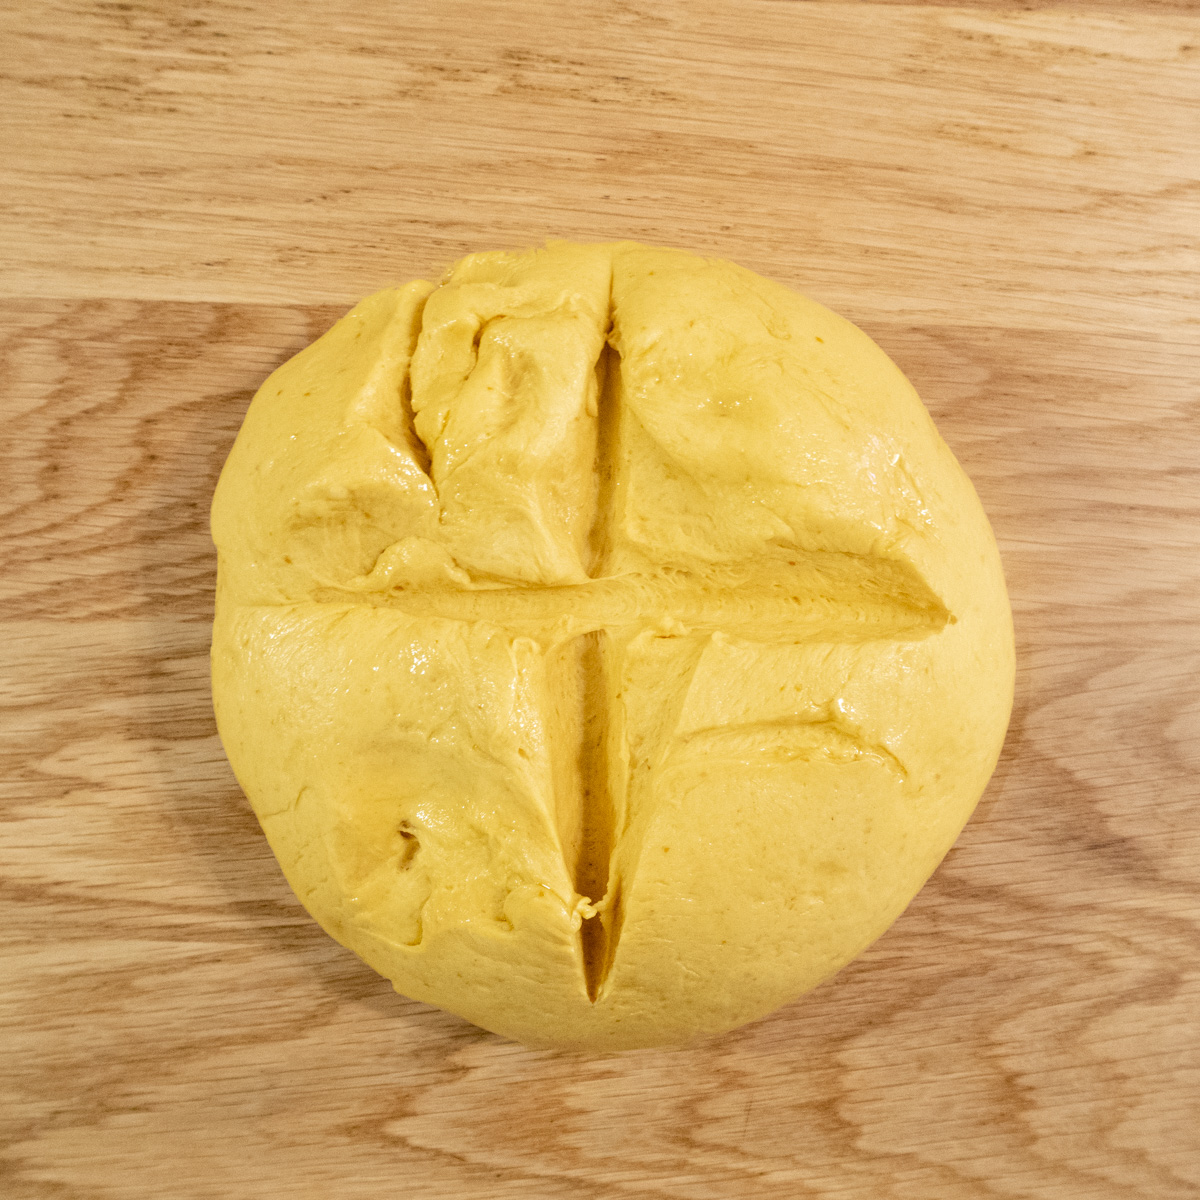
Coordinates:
column 608, row 643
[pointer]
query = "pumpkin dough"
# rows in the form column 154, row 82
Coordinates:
column 608, row 643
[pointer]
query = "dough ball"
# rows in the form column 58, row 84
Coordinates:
column 608, row 643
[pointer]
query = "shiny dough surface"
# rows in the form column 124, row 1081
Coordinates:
column 608, row 643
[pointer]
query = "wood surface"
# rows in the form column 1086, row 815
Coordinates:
column 1005, row 197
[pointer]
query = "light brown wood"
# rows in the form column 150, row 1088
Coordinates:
column 1007, row 199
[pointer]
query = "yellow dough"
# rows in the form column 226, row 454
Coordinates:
column 608, row 643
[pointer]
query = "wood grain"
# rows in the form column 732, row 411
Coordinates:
column 1005, row 198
